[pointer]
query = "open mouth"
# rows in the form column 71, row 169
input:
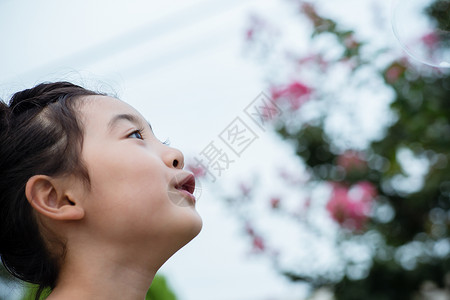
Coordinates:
column 184, row 184
column 187, row 184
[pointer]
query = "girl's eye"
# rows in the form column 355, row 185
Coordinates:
column 136, row 134
column 166, row 142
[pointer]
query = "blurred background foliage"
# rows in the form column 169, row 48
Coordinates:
column 389, row 197
column 160, row 289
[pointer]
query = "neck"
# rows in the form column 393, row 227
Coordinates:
column 103, row 275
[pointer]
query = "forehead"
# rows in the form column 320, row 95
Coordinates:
column 104, row 106
column 96, row 112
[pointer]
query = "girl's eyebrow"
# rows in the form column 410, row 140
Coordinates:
column 128, row 117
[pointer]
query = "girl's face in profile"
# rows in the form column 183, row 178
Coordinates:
column 134, row 197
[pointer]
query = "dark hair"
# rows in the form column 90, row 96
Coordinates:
column 39, row 134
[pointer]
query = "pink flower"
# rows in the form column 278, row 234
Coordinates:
column 257, row 28
column 292, row 178
column 430, row 40
column 307, row 203
column 245, row 189
column 296, row 93
column 350, row 207
column 309, row 10
column 316, row 59
column 249, row 229
column 258, row 244
column 283, row 173
column 394, row 72
column 249, row 34
column 351, row 160
column 275, row 202
column 276, row 93
column 269, row 111
column 368, row 190
column 197, row 170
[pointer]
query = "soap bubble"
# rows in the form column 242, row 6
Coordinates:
column 423, row 29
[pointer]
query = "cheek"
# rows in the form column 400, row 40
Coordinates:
column 129, row 200
column 119, row 170
column 125, row 210
column 130, row 182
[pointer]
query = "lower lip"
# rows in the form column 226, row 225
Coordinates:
column 189, row 195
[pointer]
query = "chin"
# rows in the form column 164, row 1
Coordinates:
column 190, row 231
column 195, row 228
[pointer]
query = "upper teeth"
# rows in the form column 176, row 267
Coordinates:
column 182, row 187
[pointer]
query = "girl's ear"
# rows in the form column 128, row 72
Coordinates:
column 48, row 197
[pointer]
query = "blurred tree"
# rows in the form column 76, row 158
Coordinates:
column 389, row 197
column 158, row 291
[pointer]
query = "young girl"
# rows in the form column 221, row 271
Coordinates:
column 91, row 202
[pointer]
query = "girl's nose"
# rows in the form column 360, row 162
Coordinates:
column 174, row 158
